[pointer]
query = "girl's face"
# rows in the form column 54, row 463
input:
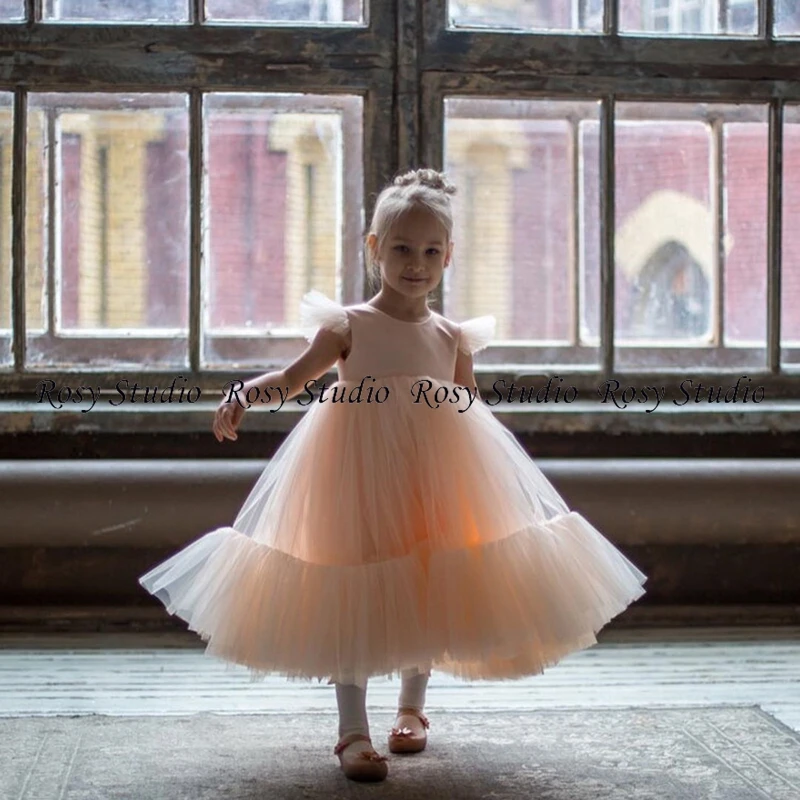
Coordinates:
column 414, row 253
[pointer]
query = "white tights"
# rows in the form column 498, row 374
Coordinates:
column 352, row 701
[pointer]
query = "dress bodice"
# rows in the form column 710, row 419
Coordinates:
column 383, row 346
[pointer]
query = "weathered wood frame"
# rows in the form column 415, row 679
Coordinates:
column 616, row 68
column 63, row 57
column 404, row 63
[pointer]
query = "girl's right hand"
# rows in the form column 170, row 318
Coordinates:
column 226, row 420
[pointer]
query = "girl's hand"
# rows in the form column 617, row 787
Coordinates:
column 226, row 420
column 321, row 354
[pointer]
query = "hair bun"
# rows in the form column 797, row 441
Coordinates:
column 426, row 177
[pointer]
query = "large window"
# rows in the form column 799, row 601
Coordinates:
column 175, row 174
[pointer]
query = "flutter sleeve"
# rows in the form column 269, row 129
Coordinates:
column 476, row 334
column 319, row 311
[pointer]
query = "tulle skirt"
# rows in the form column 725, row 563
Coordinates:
column 396, row 534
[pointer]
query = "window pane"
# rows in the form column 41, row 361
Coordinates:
column 745, row 180
column 12, row 10
column 787, row 17
column 6, row 149
column 108, row 193
column 528, row 15
column 116, row 10
column 313, row 11
column 284, row 198
column 667, row 273
column 689, row 17
column 526, row 222
column 790, row 264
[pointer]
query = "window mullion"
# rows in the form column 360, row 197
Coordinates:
column 18, row 199
column 407, row 86
column 51, row 137
column 717, row 191
column 412, row 124
column 766, row 18
column 383, row 118
column 722, row 16
column 611, row 17
column 33, row 10
column 607, row 232
column 431, row 149
column 196, row 206
column 576, row 251
column 197, row 12
column 774, row 235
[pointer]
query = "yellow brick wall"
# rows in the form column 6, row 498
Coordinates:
column 6, row 153
column 310, row 139
column 124, row 137
column 488, row 151
column 36, row 209
column 35, row 221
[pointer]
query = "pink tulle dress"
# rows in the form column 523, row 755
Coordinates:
column 396, row 534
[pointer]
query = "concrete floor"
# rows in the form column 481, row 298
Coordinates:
column 158, row 674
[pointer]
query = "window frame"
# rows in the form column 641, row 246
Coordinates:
column 404, row 61
column 617, row 67
column 347, row 59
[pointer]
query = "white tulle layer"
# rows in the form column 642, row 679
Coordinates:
column 380, row 538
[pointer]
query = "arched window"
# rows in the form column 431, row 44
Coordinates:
column 672, row 297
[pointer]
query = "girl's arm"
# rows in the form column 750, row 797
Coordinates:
column 465, row 374
column 323, row 352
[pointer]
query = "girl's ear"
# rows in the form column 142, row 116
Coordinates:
column 449, row 254
column 372, row 244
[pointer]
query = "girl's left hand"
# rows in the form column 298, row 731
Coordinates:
column 226, row 420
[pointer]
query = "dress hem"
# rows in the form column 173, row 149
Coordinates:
column 500, row 610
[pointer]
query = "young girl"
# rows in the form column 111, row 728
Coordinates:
column 400, row 527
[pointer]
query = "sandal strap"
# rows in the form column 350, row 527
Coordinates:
column 413, row 712
column 368, row 755
column 348, row 740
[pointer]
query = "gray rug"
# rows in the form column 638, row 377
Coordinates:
column 713, row 753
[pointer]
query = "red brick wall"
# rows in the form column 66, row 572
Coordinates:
column 247, row 224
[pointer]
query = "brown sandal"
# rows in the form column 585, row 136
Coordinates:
column 363, row 765
column 403, row 740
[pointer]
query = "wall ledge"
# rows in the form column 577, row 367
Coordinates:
column 165, row 503
column 127, row 620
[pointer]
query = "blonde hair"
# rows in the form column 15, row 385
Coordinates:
column 419, row 188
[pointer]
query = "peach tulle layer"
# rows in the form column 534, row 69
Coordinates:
column 506, row 609
column 387, row 536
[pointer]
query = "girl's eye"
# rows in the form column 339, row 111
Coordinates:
column 433, row 251
column 400, row 247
